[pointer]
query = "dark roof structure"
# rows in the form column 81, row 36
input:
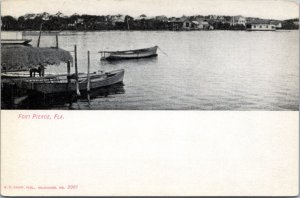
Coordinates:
column 19, row 57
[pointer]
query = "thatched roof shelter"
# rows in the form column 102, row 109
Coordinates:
column 27, row 57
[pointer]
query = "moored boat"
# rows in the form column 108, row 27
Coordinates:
column 129, row 54
column 13, row 38
column 15, row 74
column 20, row 64
column 67, row 83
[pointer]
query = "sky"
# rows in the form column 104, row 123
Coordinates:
column 268, row 9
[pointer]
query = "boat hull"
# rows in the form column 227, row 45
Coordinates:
column 130, row 54
column 15, row 41
column 97, row 81
column 130, row 57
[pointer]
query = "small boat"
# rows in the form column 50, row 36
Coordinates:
column 15, row 74
column 66, row 83
column 15, row 41
column 129, row 54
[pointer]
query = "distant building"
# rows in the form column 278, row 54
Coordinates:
column 187, row 24
column 260, row 26
column 195, row 25
column 162, row 18
column 278, row 24
column 71, row 25
column 204, row 25
column 221, row 18
column 79, row 21
column 175, row 24
column 183, row 23
column 117, row 19
column 238, row 20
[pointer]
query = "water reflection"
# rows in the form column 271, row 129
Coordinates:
column 141, row 61
column 33, row 100
column 105, row 91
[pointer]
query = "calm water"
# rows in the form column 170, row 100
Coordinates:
column 203, row 70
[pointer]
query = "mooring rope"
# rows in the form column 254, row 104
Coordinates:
column 162, row 51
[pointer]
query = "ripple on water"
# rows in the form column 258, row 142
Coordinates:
column 200, row 72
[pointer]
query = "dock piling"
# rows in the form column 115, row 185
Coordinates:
column 40, row 34
column 56, row 40
column 88, row 78
column 69, row 70
column 76, row 71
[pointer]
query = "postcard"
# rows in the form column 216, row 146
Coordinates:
column 149, row 98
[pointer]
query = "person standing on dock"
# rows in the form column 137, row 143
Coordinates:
column 40, row 70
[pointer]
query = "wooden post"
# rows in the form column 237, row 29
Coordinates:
column 69, row 81
column 88, row 78
column 68, row 71
column 127, row 24
column 76, row 72
column 38, row 44
column 88, row 73
column 56, row 40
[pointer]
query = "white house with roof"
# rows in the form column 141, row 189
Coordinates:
column 203, row 25
column 238, row 20
column 118, row 19
column 198, row 25
column 260, row 26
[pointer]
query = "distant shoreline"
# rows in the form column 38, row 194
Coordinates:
column 60, row 22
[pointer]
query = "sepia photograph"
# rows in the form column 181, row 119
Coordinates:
column 150, row 55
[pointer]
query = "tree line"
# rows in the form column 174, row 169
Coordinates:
column 98, row 23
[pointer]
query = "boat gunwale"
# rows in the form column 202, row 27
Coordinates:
column 16, row 39
column 54, row 79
